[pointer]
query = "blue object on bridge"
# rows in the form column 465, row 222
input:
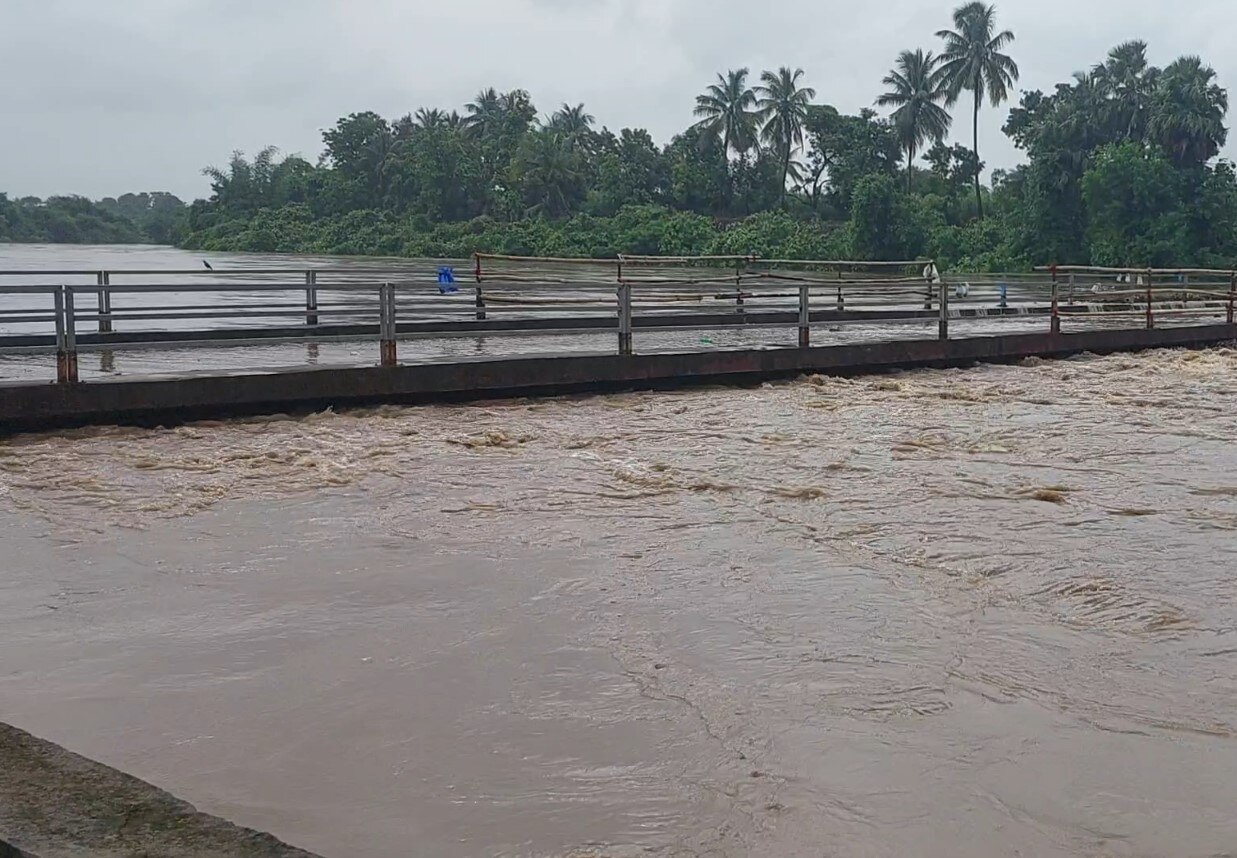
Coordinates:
column 1003, row 288
column 446, row 280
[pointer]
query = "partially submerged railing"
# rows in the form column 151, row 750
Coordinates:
column 1148, row 293
column 540, row 295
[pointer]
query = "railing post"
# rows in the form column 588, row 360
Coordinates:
column 66, row 336
column 105, row 302
column 1055, row 322
column 480, row 298
column 1071, row 290
column 841, row 300
column 805, row 315
column 311, row 297
column 1150, row 312
column 624, row 318
column 943, row 327
column 738, row 285
column 386, row 324
column 1232, row 296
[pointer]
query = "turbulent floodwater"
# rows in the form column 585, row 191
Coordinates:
column 945, row 613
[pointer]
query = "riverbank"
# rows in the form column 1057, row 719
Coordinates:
column 56, row 803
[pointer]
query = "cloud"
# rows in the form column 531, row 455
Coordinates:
column 103, row 98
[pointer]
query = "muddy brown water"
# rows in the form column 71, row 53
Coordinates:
column 973, row 612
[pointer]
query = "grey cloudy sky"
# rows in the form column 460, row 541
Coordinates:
column 100, row 97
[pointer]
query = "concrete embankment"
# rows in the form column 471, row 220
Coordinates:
column 56, row 804
column 164, row 399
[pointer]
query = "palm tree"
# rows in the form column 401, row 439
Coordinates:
column 1126, row 83
column 430, row 117
column 549, row 169
column 972, row 61
column 485, row 113
column 379, row 150
column 782, row 106
column 571, row 121
column 1187, row 113
column 918, row 87
column 726, row 109
column 517, row 108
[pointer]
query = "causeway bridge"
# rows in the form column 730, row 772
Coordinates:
column 239, row 340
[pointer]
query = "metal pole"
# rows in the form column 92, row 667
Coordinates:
column 805, row 315
column 624, row 318
column 105, row 302
column 66, row 333
column 841, row 300
column 1150, row 313
column 386, row 324
column 1055, row 324
column 311, row 297
column 62, row 359
column 1232, row 296
column 480, row 299
column 943, row 332
column 738, row 285
column 1071, row 289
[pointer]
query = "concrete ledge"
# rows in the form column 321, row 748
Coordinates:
column 170, row 399
column 56, row 804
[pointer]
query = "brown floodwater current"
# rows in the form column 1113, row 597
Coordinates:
column 977, row 612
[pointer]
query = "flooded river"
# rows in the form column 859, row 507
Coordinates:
column 976, row 612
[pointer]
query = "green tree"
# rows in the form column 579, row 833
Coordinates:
column 630, row 171
column 887, row 224
column 357, row 149
column 972, row 62
column 782, row 105
column 842, row 149
column 548, row 169
column 727, row 109
column 699, row 174
column 1187, row 112
column 1125, row 84
column 486, row 114
column 918, row 86
column 1134, row 209
column 572, row 121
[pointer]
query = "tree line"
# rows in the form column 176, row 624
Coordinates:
column 1120, row 168
column 145, row 218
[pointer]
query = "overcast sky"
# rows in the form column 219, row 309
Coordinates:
column 99, row 97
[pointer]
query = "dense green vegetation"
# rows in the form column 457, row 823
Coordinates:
column 157, row 218
column 1120, row 168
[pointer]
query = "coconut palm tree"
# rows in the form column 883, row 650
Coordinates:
column 571, row 121
column 485, row 113
column 782, row 107
column 726, row 109
column 918, row 87
column 430, row 117
column 549, row 169
column 972, row 62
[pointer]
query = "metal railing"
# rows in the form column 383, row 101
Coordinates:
column 1148, row 293
column 630, row 295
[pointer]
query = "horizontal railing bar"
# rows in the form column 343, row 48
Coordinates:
column 27, row 320
column 239, row 314
column 29, row 289
column 1092, row 269
column 144, row 288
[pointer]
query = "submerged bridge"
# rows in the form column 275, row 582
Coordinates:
column 253, row 340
